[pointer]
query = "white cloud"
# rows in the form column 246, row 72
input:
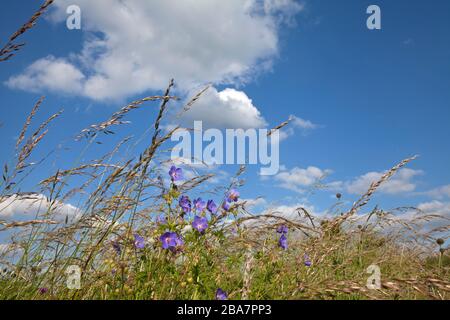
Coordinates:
column 292, row 212
column 302, row 124
column 401, row 182
column 297, row 179
column 440, row 192
column 137, row 45
column 433, row 215
column 296, row 123
column 225, row 109
column 251, row 204
column 33, row 206
column 286, row 7
column 49, row 73
column 435, row 207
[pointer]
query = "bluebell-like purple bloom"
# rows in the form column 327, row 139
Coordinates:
column 139, row 242
column 221, row 295
column 211, row 206
column 185, row 204
column 171, row 240
column 282, row 229
column 200, row 224
column 307, row 260
column 175, row 173
column 232, row 195
column 226, row 206
column 199, row 205
column 283, row 242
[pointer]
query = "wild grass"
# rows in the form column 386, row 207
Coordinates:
column 239, row 252
column 124, row 202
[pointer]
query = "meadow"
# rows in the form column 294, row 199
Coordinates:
column 142, row 230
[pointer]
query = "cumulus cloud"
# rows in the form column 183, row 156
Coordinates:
column 229, row 109
column 291, row 212
column 49, row 73
column 432, row 216
column 134, row 46
column 19, row 207
column 435, row 207
column 298, row 179
column 297, row 123
column 440, row 193
column 401, row 182
column 251, row 204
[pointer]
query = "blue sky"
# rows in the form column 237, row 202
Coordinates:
column 373, row 97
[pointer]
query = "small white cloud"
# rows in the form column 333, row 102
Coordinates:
column 251, row 204
column 401, row 182
column 440, row 193
column 228, row 109
column 18, row 207
column 291, row 212
column 56, row 75
column 435, row 207
column 286, row 9
column 303, row 124
column 440, row 212
column 297, row 179
column 296, row 123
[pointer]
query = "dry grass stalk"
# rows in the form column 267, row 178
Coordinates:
column 116, row 118
column 26, row 223
column 278, row 127
column 33, row 141
column 7, row 52
column 28, row 121
column 365, row 198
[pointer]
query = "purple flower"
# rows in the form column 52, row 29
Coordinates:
column 171, row 240
column 116, row 247
column 211, row 206
column 307, row 260
column 200, row 224
column 221, row 295
column 43, row 290
column 139, row 242
column 283, row 242
column 282, row 229
column 185, row 204
column 232, row 195
column 199, row 204
column 226, row 206
column 175, row 173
